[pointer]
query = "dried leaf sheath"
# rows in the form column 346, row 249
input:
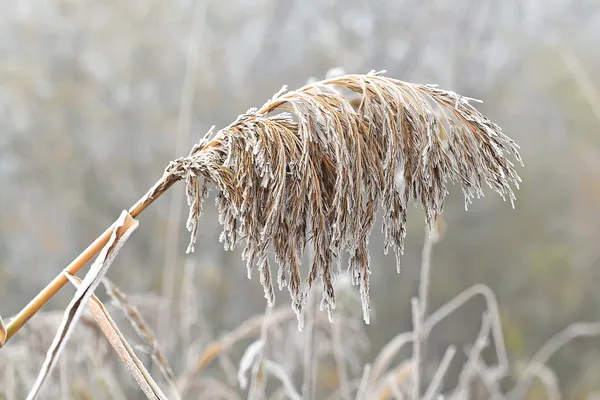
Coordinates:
column 315, row 164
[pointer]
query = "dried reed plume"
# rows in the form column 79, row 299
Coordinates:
column 317, row 163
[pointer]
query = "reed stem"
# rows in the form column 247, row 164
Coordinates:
column 161, row 186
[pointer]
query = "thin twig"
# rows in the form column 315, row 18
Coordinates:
column 251, row 354
column 421, row 310
column 492, row 310
column 176, row 201
column 387, row 354
column 308, row 354
column 438, row 377
column 583, row 79
column 258, row 376
column 424, row 280
column 120, row 345
column 278, row 371
column 214, row 349
column 189, row 309
column 308, row 349
column 397, row 376
column 362, row 387
column 139, row 325
column 353, row 385
column 395, row 389
column 416, row 358
column 549, row 380
column 340, row 362
column 580, row 329
column 489, row 379
column 468, row 371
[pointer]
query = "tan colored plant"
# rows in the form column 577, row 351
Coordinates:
column 313, row 163
column 316, row 164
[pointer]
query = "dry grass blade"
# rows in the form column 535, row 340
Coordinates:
column 394, row 379
column 315, row 163
column 259, row 377
column 548, row 379
column 119, row 299
column 463, row 388
column 280, row 373
column 251, row 357
column 488, row 379
column 417, row 342
column 2, row 332
column 123, row 349
column 395, row 389
column 186, row 110
column 214, row 349
column 391, row 349
column 339, row 358
column 438, row 377
column 581, row 76
column 124, row 226
column 362, row 386
column 535, row 367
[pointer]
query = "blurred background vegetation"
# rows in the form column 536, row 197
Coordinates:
column 91, row 94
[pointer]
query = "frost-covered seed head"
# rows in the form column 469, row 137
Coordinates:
column 316, row 164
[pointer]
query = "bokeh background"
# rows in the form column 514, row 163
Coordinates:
column 96, row 97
